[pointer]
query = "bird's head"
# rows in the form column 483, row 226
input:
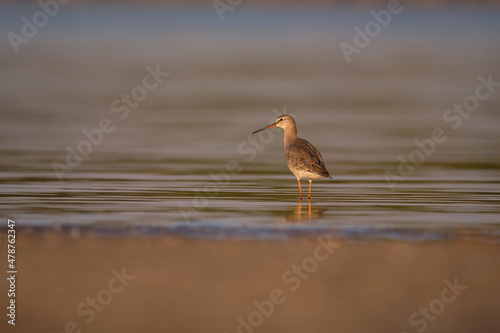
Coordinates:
column 284, row 121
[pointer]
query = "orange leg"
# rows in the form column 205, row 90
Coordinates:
column 300, row 189
column 309, row 196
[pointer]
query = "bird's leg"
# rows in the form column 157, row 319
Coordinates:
column 300, row 190
column 309, row 196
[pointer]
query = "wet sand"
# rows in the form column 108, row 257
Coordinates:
column 175, row 284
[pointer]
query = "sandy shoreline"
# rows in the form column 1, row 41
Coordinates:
column 175, row 284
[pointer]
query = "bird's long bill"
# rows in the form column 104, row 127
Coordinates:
column 270, row 126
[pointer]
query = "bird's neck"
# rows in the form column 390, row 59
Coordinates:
column 290, row 135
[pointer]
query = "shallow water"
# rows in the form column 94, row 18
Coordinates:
column 184, row 156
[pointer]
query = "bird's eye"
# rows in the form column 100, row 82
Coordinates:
column 281, row 119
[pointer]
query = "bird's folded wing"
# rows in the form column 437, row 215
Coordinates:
column 302, row 155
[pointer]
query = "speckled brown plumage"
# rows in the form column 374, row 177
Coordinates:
column 302, row 155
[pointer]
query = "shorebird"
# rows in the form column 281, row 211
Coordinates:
column 303, row 159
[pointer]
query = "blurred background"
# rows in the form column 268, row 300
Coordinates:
column 66, row 68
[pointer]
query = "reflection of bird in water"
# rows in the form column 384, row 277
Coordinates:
column 303, row 159
column 299, row 214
